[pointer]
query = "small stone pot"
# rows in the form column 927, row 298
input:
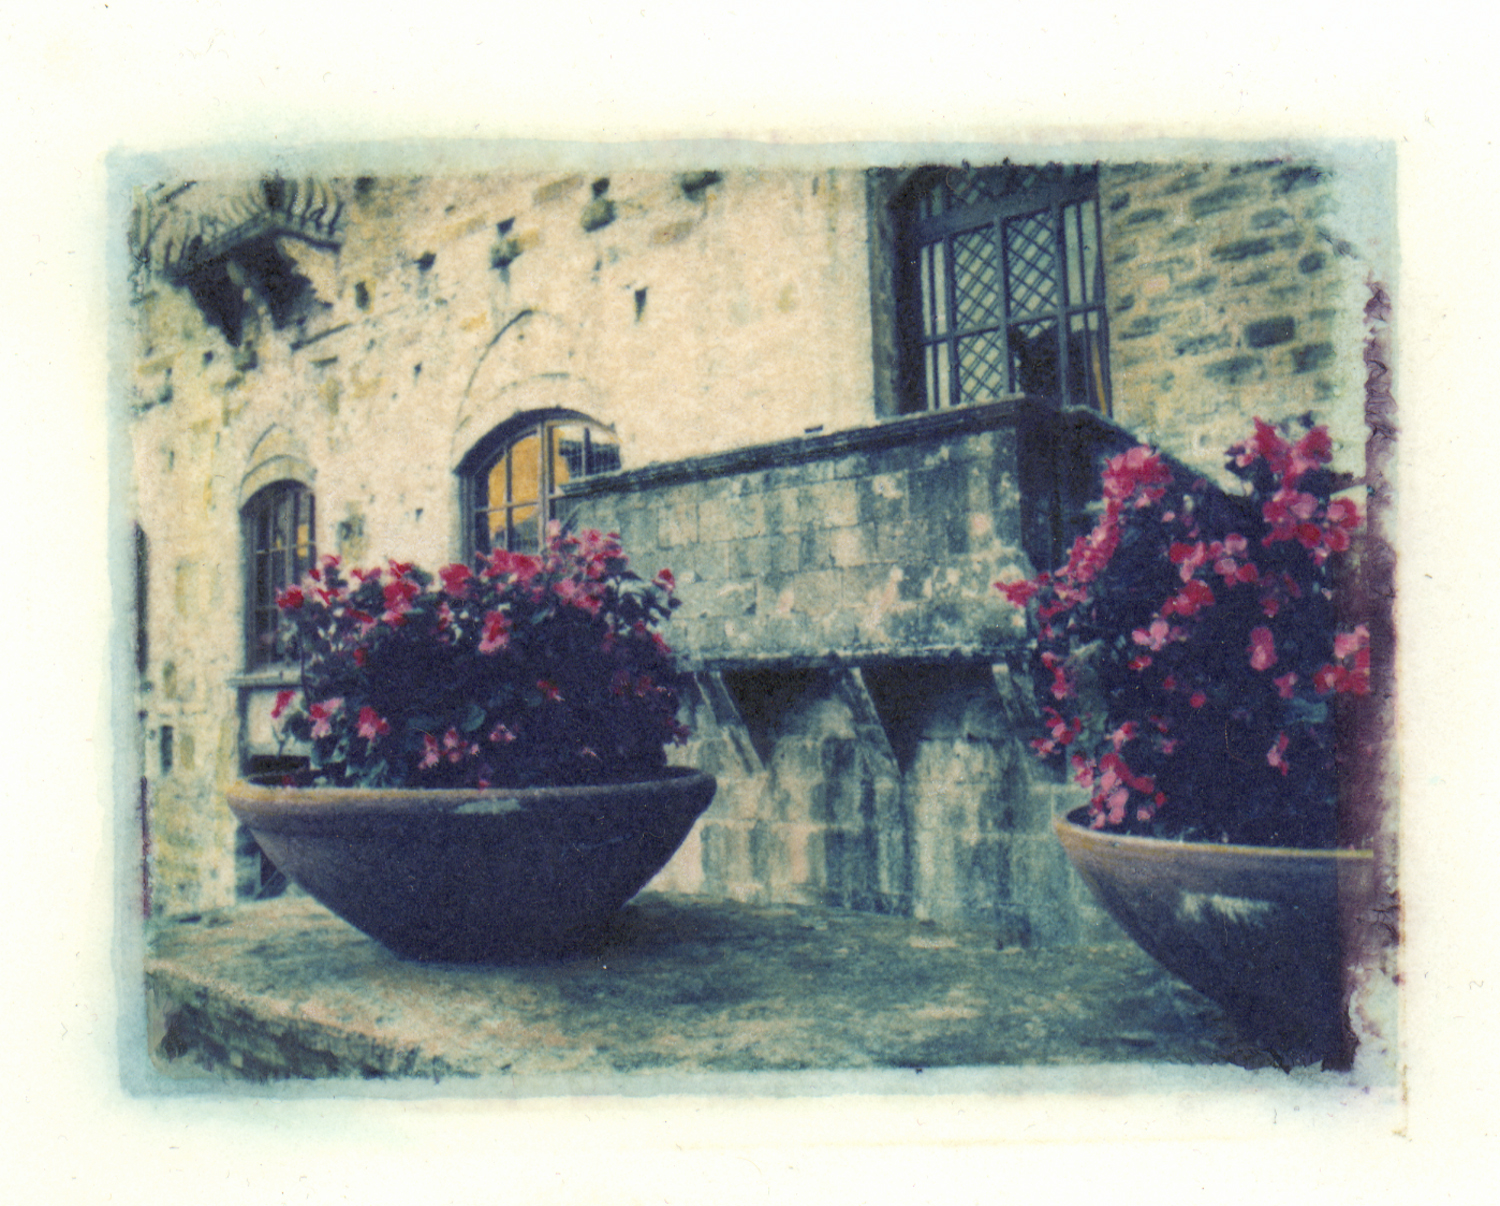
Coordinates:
column 1256, row 929
column 471, row 876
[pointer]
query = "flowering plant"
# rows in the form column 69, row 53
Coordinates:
column 518, row 671
column 1188, row 657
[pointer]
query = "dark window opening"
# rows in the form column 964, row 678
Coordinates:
column 1000, row 287
column 513, row 479
column 279, row 550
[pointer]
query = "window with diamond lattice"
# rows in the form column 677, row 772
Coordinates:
column 513, row 478
column 279, row 550
column 1000, row 287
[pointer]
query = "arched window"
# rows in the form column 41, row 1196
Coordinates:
column 511, row 479
column 280, row 548
column 1000, row 287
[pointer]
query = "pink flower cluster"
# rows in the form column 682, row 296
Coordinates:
column 496, row 672
column 1226, row 647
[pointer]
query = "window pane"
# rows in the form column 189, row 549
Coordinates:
column 976, row 280
column 280, row 548
column 1073, row 254
column 934, row 290
column 567, row 453
column 1031, row 265
column 604, row 451
column 524, row 530
column 525, row 468
column 1086, row 361
column 981, row 367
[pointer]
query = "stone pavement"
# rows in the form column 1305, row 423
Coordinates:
column 283, row 989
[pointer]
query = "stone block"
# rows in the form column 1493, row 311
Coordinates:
column 882, row 500
column 1235, row 370
column 678, row 524
column 734, row 518
column 1312, row 356
column 1217, row 200
column 832, row 505
column 849, row 547
column 1269, row 332
column 817, row 593
column 1243, row 249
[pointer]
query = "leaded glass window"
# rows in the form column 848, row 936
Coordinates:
column 279, row 550
column 1000, row 287
column 514, row 478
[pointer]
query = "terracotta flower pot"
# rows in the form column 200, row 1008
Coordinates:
column 475, row 875
column 1255, row 929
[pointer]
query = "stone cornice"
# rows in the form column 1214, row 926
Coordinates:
column 928, row 427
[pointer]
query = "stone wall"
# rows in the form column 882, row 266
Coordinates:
column 851, row 691
column 735, row 328
column 694, row 311
column 884, row 540
column 1233, row 291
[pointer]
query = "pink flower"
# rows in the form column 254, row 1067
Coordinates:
column 455, row 748
column 1020, row 593
column 1347, row 644
column 1276, row 756
column 283, row 699
column 398, row 597
column 1197, row 699
column 1154, row 638
column 431, row 752
column 504, row 563
column 578, row 594
column 501, row 735
column 1262, row 648
column 291, row 598
column 1187, row 557
column 1343, row 513
column 1189, row 600
column 496, row 633
column 665, row 580
column 321, row 714
column 456, row 579
column 372, row 725
column 549, row 690
column 1286, row 685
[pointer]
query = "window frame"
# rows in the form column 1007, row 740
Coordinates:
column 1062, row 192
column 475, row 470
column 287, row 565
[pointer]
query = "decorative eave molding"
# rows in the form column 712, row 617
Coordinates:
column 179, row 229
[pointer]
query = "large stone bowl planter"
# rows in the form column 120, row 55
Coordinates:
column 475, row 875
column 1255, row 929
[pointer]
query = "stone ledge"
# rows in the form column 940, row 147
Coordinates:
column 285, row 990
